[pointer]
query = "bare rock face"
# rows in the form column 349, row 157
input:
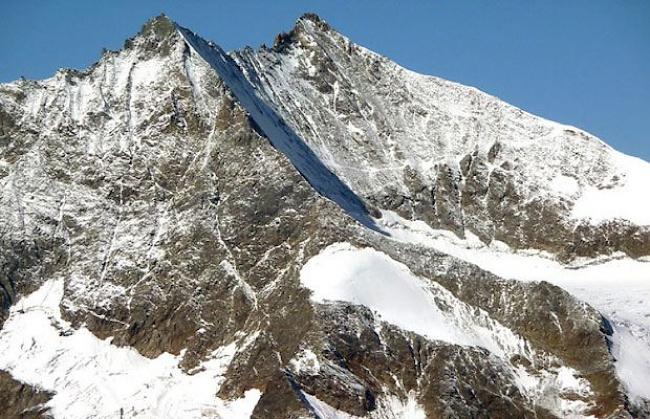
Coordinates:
column 178, row 192
column 19, row 400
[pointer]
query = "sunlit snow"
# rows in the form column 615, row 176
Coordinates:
column 629, row 201
column 92, row 378
column 618, row 287
column 371, row 278
column 389, row 407
column 368, row 277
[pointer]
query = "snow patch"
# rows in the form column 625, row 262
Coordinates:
column 394, row 407
column 146, row 72
column 630, row 349
column 92, row 378
column 368, row 277
column 305, row 362
column 564, row 185
column 323, row 410
column 342, row 272
column 547, row 387
column 629, row 201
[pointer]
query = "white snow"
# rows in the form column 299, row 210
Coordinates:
column 365, row 276
column 342, row 272
column 548, row 386
column 630, row 201
column 368, row 277
column 564, row 185
column 147, row 71
column 631, row 348
column 394, row 407
column 305, row 362
column 94, row 379
column 619, row 287
column 323, row 410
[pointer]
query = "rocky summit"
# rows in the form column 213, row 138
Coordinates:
column 309, row 230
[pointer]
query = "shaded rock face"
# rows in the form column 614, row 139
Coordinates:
column 451, row 380
column 19, row 400
column 149, row 187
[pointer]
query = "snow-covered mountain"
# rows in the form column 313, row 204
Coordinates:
column 310, row 230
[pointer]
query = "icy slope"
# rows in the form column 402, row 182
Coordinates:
column 629, row 200
column 391, row 408
column 371, row 278
column 281, row 136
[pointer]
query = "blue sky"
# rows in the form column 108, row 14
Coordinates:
column 581, row 62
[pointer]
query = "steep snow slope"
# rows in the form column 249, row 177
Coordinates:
column 448, row 154
column 629, row 201
column 373, row 279
column 389, row 408
column 280, row 135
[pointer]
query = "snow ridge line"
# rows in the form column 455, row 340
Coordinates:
column 281, row 136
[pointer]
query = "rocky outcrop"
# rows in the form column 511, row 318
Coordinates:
column 19, row 400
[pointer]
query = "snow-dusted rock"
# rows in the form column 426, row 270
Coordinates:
column 303, row 231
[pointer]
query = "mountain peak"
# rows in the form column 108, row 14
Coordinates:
column 160, row 26
column 312, row 17
column 196, row 205
column 311, row 22
column 307, row 23
column 157, row 34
